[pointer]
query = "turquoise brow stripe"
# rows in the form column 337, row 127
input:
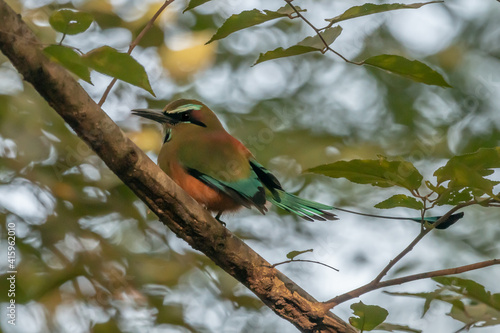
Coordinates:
column 187, row 107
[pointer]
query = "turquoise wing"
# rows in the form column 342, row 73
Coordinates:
column 247, row 192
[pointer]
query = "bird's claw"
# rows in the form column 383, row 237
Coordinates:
column 217, row 217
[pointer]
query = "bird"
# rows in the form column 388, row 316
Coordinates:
column 219, row 172
column 216, row 169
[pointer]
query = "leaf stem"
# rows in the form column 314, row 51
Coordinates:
column 62, row 38
column 303, row 260
column 136, row 41
column 318, row 32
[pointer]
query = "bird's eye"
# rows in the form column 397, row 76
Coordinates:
column 185, row 116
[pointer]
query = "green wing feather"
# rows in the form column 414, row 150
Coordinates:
column 262, row 185
column 248, row 192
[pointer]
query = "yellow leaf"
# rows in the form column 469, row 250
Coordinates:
column 149, row 139
column 64, row 191
column 188, row 54
column 98, row 6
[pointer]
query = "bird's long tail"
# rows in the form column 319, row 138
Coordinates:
column 429, row 219
column 311, row 211
column 308, row 210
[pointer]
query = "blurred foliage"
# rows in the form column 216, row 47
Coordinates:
column 471, row 303
column 91, row 257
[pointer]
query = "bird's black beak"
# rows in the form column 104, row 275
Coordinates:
column 156, row 115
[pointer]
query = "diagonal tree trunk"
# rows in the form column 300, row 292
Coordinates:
column 171, row 204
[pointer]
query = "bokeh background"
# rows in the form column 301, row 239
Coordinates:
column 92, row 258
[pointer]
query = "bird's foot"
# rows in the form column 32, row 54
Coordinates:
column 217, row 217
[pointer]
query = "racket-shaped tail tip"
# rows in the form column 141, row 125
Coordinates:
column 443, row 225
column 450, row 220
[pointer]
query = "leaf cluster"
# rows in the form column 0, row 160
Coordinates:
column 470, row 302
column 324, row 37
column 105, row 59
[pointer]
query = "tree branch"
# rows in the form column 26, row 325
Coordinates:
column 170, row 203
column 442, row 272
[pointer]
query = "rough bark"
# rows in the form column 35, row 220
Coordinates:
column 171, row 204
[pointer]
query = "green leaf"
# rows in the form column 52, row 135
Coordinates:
column 471, row 303
column 329, row 36
column 107, row 60
column 381, row 172
column 250, row 18
column 400, row 200
column 475, row 315
column 369, row 316
column 469, row 170
column 370, row 8
column 435, row 188
column 70, row 22
column 413, row 70
column 193, row 4
column 429, row 297
column 450, row 196
column 483, row 307
column 70, row 59
column 309, row 44
column 453, row 196
column 292, row 254
column 281, row 53
column 394, row 327
column 471, row 289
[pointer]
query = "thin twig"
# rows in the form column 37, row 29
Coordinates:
column 318, row 32
column 442, row 272
column 303, row 260
column 134, row 44
column 422, row 226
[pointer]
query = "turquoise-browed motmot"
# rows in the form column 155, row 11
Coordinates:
column 216, row 169
column 220, row 173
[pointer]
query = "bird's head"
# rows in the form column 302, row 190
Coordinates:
column 182, row 115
